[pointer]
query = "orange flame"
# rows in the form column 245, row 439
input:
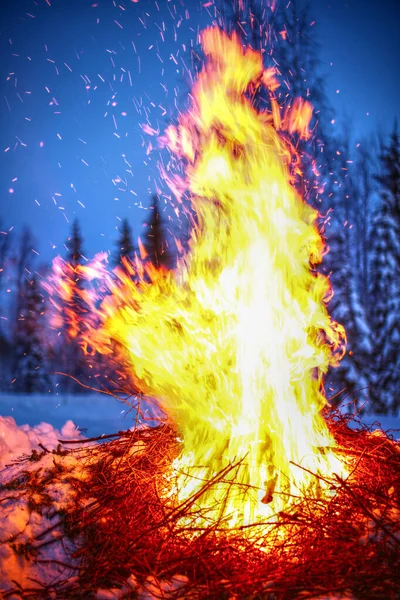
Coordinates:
column 235, row 341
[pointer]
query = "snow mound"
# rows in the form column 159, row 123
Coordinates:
column 35, row 553
column 16, row 441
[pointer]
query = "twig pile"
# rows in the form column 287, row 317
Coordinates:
column 347, row 543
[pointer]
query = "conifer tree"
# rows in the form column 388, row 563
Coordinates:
column 74, row 245
column 76, row 283
column 30, row 356
column 23, row 260
column 364, row 167
column 125, row 246
column 385, row 289
column 4, row 252
column 155, row 240
column 5, row 343
column 353, row 375
column 74, row 308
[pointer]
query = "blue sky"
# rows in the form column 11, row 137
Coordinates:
column 360, row 38
column 80, row 78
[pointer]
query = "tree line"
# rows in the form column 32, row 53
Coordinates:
column 37, row 356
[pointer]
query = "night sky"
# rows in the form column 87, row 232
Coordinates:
column 84, row 82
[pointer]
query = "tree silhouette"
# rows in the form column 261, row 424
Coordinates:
column 353, row 375
column 155, row 240
column 74, row 245
column 30, row 357
column 23, row 260
column 125, row 247
column 385, row 288
column 71, row 353
column 5, row 343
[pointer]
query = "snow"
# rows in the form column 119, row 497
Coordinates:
column 16, row 441
column 388, row 423
column 32, row 545
column 100, row 414
column 95, row 414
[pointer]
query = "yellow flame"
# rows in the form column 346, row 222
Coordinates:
column 234, row 342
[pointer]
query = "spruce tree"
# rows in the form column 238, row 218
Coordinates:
column 74, row 245
column 350, row 382
column 30, row 371
column 5, row 343
column 364, row 166
column 385, row 275
column 125, row 248
column 23, row 267
column 74, row 309
column 353, row 376
column 75, row 260
column 389, row 178
column 155, row 240
column 5, row 237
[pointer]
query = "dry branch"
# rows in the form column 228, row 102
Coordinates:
column 348, row 542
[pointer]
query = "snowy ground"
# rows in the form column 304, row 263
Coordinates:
column 391, row 424
column 35, row 553
column 99, row 414
column 44, row 420
column 96, row 414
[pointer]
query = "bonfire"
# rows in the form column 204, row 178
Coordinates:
column 250, row 486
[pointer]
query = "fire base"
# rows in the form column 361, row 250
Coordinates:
column 130, row 537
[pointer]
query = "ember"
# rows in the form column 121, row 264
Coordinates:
column 233, row 343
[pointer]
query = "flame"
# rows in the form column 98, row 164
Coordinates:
column 234, row 342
